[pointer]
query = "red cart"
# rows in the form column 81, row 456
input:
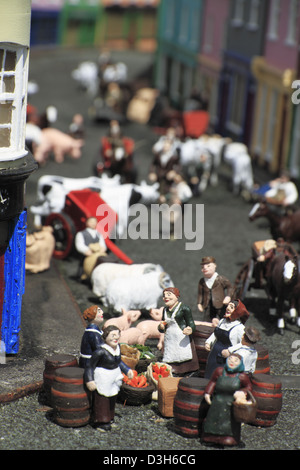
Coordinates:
column 79, row 206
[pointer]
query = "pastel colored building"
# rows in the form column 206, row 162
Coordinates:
column 45, row 19
column 276, row 140
column 178, row 36
column 127, row 24
column 245, row 39
column 212, row 44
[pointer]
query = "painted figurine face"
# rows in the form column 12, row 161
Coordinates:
column 113, row 338
column 92, row 222
column 229, row 310
column 169, row 298
column 208, row 269
column 233, row 361
column 99, row 316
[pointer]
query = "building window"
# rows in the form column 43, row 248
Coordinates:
column 238, row 14
column 237, row 104
column 13, row 91
column 184, row 24
column 262, row 104
column 170, row 21
column 274, row 20
column 291, row 38
column 254, row 15
column 272, row 126
column 209, row 35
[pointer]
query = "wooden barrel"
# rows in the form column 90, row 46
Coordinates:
column 200, row 335
column 190, row 407
column 51, row 364
column 262, row 363
column 70, row 398
column 267, row 391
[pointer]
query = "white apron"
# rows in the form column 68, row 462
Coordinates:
column 177, row 346
column 108, row 381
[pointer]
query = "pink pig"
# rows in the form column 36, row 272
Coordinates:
column 125, row 320
column 149, row 327
column 61, row 144
column 133, row 336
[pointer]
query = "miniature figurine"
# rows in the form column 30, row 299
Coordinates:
column 177, row 323
column 228, row 333
column 89, row 243
column 246, row 349
column 92, row 336
column 76, row 128
column 166, row 158
column 282, row 192
column 214, row 290
column 117, row 154
column 224, row 387
column 103, row 376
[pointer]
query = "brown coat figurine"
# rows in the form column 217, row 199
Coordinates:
column 214, row 290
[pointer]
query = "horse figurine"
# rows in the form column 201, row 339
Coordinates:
column 283, row 283
column 285, row 226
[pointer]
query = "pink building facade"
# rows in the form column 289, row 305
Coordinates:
column 214, row 28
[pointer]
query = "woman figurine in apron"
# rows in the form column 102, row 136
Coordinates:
column 221, row 391
column 178, row 325
column 92, row 336
column 103, row 376
column 229, row 332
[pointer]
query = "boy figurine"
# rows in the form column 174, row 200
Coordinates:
column 246, row 349
column 214, row 290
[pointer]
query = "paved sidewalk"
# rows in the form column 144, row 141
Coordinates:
column 51, row 323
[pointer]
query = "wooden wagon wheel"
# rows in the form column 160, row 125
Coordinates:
column 64, row 232
column 243, row 279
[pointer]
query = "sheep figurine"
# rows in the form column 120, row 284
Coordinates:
column 105, row 273
column 136, row 292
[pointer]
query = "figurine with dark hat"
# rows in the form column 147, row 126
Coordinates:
column 229, row 332
column 214, row 290
column 246, row 349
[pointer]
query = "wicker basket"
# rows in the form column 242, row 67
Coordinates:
column 135, row 396
column 245, row 412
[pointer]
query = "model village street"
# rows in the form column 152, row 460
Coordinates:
column 54, row 300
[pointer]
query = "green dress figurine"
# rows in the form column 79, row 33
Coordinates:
column 224, row 387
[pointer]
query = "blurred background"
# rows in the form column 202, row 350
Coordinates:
column 237, row 59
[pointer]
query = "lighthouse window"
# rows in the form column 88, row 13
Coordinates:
column 13, row 88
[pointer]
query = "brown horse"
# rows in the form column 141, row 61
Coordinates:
column 285, row 226
column 283, row 284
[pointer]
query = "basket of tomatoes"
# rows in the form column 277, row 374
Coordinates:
column 155, row 370
column 136, row 391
